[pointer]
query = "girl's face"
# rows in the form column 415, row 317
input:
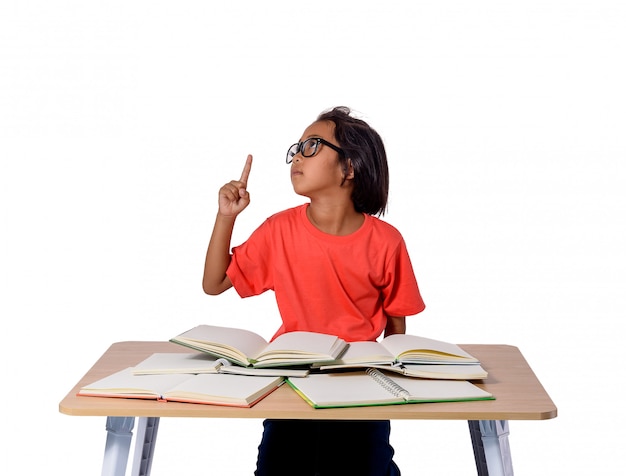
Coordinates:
column 320, row 175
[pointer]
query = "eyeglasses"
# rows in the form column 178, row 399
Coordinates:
column 308, row 148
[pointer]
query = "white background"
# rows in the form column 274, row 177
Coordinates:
column 505, row 129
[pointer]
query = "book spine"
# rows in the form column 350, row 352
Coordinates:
column 388, row 384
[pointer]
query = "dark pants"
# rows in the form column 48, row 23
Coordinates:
column 325, row 448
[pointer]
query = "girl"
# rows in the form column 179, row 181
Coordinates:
column 334, row 268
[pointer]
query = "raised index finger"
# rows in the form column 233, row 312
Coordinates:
column 246, row 170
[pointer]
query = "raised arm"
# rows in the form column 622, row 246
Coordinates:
column 233, row 199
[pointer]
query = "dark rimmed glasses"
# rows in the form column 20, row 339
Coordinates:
column 309, row 147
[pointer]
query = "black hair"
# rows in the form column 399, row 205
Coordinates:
column 363, row 146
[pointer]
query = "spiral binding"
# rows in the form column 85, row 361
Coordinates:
column 392, row 387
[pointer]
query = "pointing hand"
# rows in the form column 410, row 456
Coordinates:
column 234, row 196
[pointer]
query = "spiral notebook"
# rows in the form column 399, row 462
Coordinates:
column 373, row 387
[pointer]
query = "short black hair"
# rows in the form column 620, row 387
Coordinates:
column 364, row 147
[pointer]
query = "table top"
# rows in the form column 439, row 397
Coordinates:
column 519, row 394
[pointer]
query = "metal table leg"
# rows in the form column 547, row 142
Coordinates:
column 147, row 430
column 117, row 449
column 119, row 436
column 490, row 440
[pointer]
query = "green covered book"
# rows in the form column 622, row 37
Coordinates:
column 373, row 387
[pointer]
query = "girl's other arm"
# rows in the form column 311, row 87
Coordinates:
column 395, row 325
column 233, row 199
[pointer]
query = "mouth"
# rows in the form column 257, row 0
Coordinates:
column 295, row 172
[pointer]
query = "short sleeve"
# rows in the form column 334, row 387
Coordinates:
column 401, row 294
column 249, row 269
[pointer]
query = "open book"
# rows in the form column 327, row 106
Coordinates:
column 202, row 363
column 373, row 387
column 213, row 389
column 402, row 349
column 248, row 349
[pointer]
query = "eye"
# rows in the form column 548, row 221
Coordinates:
column 309, row 147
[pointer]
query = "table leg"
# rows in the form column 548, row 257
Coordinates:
column 145, row 441
column 490, row 440
column 119, row 436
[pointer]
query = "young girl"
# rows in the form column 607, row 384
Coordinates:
column 334, row 268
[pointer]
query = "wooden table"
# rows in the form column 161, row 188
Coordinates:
column 519, row 396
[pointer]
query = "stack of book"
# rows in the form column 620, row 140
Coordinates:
column 237, row 367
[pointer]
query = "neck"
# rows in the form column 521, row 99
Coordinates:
column 335, row 218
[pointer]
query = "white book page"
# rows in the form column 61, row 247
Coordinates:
column 433, row 390
column 446, row 371
column 224, row 388
column 125, row 382
column 226, row 340
column 175, row 362
column 402, row 344
column 254, row 371
column 365, row 352
column 344, row 389
column 294, row 344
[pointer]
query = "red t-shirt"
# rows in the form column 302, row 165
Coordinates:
column 339, row 285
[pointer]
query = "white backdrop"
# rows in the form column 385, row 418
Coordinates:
column 505, row 129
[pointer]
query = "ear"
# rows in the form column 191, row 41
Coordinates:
column 349, row 171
